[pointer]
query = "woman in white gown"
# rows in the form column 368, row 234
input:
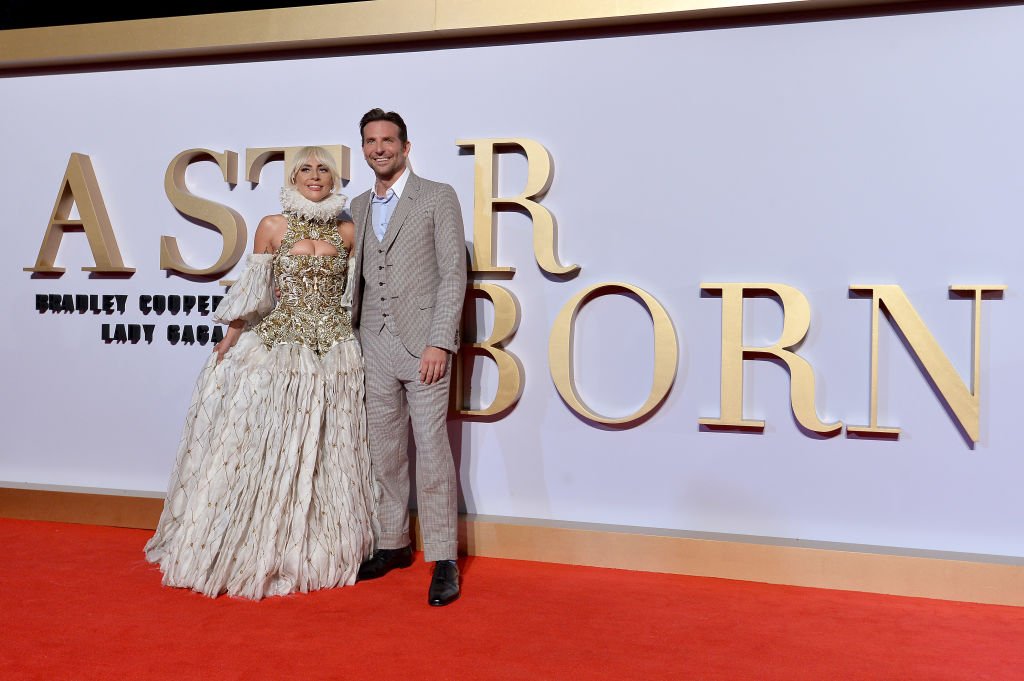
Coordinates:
column 271, row 491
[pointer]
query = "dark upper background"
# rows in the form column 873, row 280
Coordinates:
column 34, row 13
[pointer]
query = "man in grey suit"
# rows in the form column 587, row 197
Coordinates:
column 410, row 282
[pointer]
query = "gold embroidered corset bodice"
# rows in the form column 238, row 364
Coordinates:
column 309, row 309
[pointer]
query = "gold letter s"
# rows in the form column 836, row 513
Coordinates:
column 224, row 219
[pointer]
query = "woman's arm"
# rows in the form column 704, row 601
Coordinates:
column 347, row 230
column 268, row 237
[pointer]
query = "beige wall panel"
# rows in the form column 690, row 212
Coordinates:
column 538, row 14
column 217, row 34
column 356, row 23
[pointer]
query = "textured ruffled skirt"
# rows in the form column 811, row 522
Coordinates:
column 271, row 492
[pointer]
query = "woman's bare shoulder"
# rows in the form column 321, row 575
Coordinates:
column 347, row 230
column 269, row 233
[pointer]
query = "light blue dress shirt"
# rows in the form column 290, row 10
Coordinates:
column 381, row 209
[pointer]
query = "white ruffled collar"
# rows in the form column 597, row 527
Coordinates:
column 315, row 211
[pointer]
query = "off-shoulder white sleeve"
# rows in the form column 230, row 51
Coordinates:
column 346, row 297
column 251, row 297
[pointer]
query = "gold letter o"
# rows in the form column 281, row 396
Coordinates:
column 560, row 350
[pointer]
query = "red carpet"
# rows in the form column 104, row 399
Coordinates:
column 79, row 602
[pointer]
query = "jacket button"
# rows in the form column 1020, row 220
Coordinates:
column 382, row 283
column 382, row 297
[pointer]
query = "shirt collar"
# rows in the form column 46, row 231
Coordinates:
column 398, row 187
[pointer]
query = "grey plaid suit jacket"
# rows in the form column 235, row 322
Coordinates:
column 425, row 246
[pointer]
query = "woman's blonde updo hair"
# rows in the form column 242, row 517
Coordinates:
column 320, row 155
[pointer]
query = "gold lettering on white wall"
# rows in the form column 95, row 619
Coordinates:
column 963, row 402
column 510, row 369
column 80, row 188
column 560, row 352
column 796, row 319
column 225, row 220
column 485, row 204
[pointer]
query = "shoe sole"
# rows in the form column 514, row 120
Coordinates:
column 448, row 602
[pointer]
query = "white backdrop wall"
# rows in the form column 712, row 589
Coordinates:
column 820, row 155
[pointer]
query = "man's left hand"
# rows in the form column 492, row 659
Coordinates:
column 433, row 364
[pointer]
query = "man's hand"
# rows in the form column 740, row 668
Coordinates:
column 433, row 364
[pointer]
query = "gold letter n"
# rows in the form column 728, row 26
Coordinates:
column 963, row 402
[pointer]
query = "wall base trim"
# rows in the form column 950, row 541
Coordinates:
column 928, row 574
column 90, row 508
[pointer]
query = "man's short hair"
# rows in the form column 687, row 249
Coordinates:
column 382, row 115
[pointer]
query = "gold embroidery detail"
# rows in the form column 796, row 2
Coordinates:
column 309, row 310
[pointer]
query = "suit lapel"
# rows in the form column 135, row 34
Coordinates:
column 362, row 222
column 405, row 205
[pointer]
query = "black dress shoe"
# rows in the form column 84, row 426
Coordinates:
column 444, row 585
column 384, row 561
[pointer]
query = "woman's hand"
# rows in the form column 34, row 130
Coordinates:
column 222, row 348
column 229, row 340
